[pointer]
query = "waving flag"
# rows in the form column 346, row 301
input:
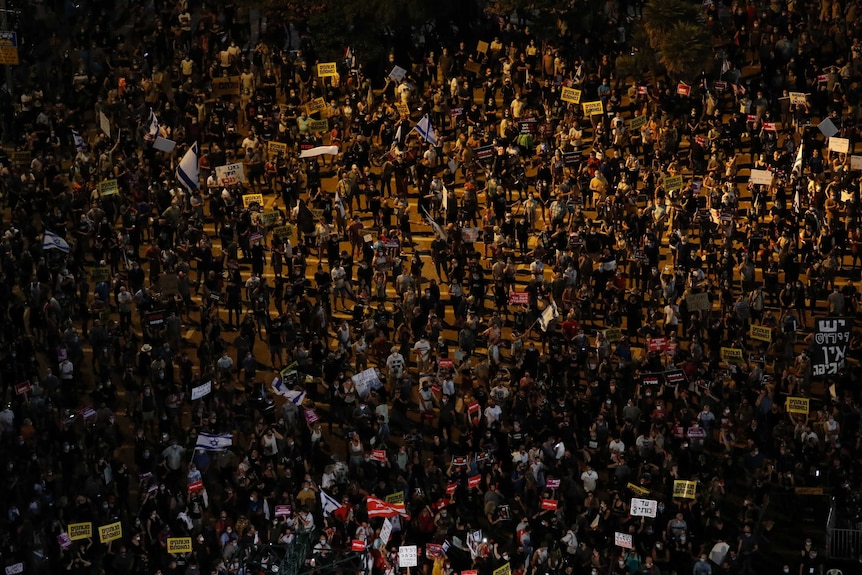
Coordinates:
column 79, row 141
column 797, row 164
column 379, row 508
column 188, row 172
column 339, row 205
column 214, row 441
column 51, row 241
column 424, row 128
column 328, row 503
column 548, row 315
column 153, row 130
column 445, row 194
column 435, row 226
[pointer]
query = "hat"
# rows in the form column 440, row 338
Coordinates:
column 146, row 348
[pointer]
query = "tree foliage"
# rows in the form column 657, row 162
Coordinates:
column 674, row 29
column 660, row 16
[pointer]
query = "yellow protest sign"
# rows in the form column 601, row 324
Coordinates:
column 612, row 334
column 593, row 108
column 673, row 183
column 798, row 98
column 760, row 333
column 327, row 69
column 110, row 532
column 504, row 570
column 108, row 188
column 799, row 405
column 100, row 274
column 395, row 498
column 9, row 48
column 225, row 86
column 684, row 489
column 482, row 47
column 637, row 122
column 316, row 105
column 402, row 109
column 277, row 148
column 731, row 355
column 318, row 125
column 571, row 96
column 179, row 544
column 78, row 531
column 637, row 489
column 283, row 232
column 250, row 199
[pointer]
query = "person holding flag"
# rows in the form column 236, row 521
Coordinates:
column 188, row 170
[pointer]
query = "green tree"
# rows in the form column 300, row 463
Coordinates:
column 685, row 50
column 659, row 16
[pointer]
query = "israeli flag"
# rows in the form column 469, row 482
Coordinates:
column 153, row 130
column 214, row 441
column 51, row 241
column 549, row 314
column 426, row 130
column 188, row 172
column 339, row 205
column 797, row 163
column 328, row 503
column 79, row 141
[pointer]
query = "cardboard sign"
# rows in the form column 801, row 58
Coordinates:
column 397, row 73
column 731, row 355
column 637, row 489
column 357, row 545
column 840, row 145
column 230, row 174
column 613, row 334
column 378, row 455
column 552, row 483
column 593, row 108
column 623, row 540
column 770, row 126
column 22, row 388
column 319, row 126
column 683, row 89
column 78, row 531
column 315, row 106
column 673, row 183
column 657, row 343
column 110, row 532
column 284, row 232
column 570, row 95
column 651, row 379
column 104, row 123
column 684, row 489
column 386, row 531
column 519, row 298
column 202, row 390
column 283, row 510
column 760, row 333
column 800, row 405
column 720, row 86
column 277, row 148
column 473, row 67
column 327, row 69
column 179, row 545
column 169, row 284
column 270, row 219
column 856, row 162
column 195, row 486
column 445, row 363
column 407, row 556
column 63, row 541
column 402, row 109
column 504, row 570
column 482, row 47
column 109, row 188
column 164, row 144
column 396, row 498
column 15, row 568
column 249, row 199
column 100, row 274
column 675, row 377
column 643, row 507
column 474, row 481
column 470, row 235
column 827, row 128
column 549, row 504
column 225, row 86
column 311, row 416
column 761, row 177
column 698, row 302
column 9, row 48
column 637, row 122
column 798, row 98
column 21, row 158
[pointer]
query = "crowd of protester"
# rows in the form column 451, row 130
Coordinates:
column 504, row 276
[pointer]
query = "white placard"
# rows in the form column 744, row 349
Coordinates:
column 763, row 177
column 643, row 507
column 15, row 569
column 623, row 540
column 202, row 390
column 104, row 123
column 827, row 128
column 407, row 556
column 164, row 144
column 840, row 145
column 365, row 381
column 386, row 531
column 397, row 73
column 856, row 162
column 230, row 174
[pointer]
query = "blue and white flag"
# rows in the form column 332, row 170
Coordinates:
column 549, row 314
column 51, row 241
column 79, row 141
column 424, row 128
column 188, row 172
column 328, row 503
column 214, row 441
column 153, row 130
column 339, row 205
column 796, row 170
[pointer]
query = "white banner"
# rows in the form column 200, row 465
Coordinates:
column 840, row 145
column 763, row 177
column 202, row 390
column 643, row 507
column 320, row 151
column 407, row 556
column 856, row 162
column 623, row 540
column 230, row 174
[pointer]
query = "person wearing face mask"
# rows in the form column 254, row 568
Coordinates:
column 702, row 566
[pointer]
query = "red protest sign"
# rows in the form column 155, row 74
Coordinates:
column 552, row 483
column 549, row 504
column 22, row 388
column 378, row 455
column 519, row 298
column 683, row 89
column 310, row 416
column 445, row 363
column 657, row 343
column 196, row 486
column 452, row 488
column 474, row 481
column 357, row 545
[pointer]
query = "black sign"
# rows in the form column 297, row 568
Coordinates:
column 155, row 318
column 831, row 337
column 675, row 377
column 527, row 126
column 571, row 158
column 484, row 152
column 651, row 379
